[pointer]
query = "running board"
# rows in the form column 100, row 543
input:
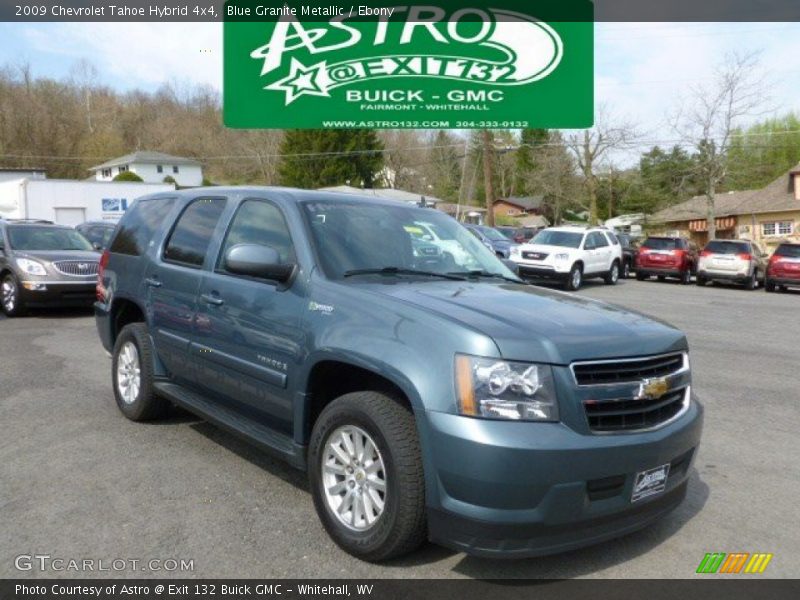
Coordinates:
column 263, row 437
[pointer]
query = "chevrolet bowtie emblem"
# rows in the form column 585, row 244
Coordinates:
column 652, row 389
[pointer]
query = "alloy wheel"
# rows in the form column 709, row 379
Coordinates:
column 129, row 378
column 9, row 294
column 353, row 478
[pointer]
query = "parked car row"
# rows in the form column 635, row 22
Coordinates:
column 742, row 262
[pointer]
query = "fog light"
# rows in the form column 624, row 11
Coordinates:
column 34, row 286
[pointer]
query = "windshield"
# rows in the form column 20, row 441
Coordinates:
column 567, row 239
column 493, row 234
column 25, row 237
column 355, row 236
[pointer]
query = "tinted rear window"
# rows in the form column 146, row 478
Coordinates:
column 662, row 243
column 138, row 225
column 192, row 234
column 788, row 250
column 719, row 247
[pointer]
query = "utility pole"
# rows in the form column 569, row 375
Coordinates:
column 488, row 174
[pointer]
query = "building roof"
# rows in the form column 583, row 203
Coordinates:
column 146, row 157
column 778, row 196
column 461, row 209
column 390, row 193
column 533, row 221
column 524, row 202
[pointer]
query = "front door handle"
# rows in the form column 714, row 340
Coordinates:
column 153, row 282
column 213, row 299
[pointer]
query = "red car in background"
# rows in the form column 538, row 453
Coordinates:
column 783, row 269
column 666, row 257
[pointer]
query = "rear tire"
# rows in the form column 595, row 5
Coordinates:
column 574, row 279
column 626, row 270
column 132, row 375
column 388, row 481
column 612, row 276
column 10, row 297
column 700, row 281
column 769, row 286
column 752, row 283
column 686, row 277
column 640, row 276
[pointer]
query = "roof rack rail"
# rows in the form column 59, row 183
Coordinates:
column 40, row 221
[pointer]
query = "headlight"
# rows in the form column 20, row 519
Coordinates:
column 514, row 250
column 561, row 257
column 499, row 389
column 31, row 267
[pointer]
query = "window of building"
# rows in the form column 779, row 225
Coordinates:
column 106, row 173
column 777, row 228
column 175, row 169
column 123, row 168
column 160, row 168
column 192, row 234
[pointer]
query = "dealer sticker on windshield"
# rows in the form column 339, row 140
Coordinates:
column 650, row 482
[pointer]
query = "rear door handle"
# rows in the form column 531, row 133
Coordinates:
column 213, row 299
column 153, row 282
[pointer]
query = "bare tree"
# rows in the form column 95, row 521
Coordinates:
column 592, row 149
column 487, row 146
column 735, row 92
column 554, row 175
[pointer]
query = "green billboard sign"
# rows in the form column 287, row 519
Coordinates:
column 444, row 65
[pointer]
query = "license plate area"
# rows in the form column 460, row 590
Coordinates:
column 650, row 482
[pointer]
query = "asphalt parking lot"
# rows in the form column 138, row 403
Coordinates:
column 77, row 480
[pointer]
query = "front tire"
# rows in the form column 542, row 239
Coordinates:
column 769, row 286
column 132, row 375
column 752, row 283
column 626, row 270
column 612, row 276
column 686, row 277
column 10, row 297
column 574, row 279
column 366, row 476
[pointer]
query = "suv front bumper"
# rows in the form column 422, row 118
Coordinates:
column 57, row 293
column 516, row 489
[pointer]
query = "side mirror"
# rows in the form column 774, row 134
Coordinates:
column 512, row 266
column 97, row 246
column 255, row 260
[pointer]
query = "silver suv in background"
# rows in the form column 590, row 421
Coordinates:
column 735, row 261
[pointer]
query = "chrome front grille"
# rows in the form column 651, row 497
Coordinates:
column 631, row 414
column 76, row 268
column 633, row 394
column 626, row 370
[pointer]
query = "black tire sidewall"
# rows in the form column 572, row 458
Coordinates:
column 146, row 406
column 373, row 544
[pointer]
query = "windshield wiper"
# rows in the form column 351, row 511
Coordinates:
column 479, row 273
column 402, row 271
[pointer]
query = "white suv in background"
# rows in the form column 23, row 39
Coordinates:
column 570, row 255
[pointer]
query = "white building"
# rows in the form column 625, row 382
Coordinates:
column 152, row 167
column 10, row 174
column 69, row 202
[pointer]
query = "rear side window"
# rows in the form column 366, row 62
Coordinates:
column 613, row 238
column 597, row 240
column 787, row 250
column 720, row 247
column 191, row 236
column 138, row 225
column 661, row 243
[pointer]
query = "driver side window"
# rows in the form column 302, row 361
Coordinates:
column 259, row 222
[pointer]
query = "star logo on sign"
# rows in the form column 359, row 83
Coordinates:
column 302, row 81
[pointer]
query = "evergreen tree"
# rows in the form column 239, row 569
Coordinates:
column 529, row 139
column 314, row 158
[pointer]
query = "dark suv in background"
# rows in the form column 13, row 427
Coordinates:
column 97, row 232
column 310, row 324
column 42, row 264
column 666, row 257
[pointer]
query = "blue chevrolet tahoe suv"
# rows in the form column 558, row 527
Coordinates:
column 430, row 394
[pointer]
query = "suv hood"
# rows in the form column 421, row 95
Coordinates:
column 548, row 249
column 529, row 323
column 52, row 255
